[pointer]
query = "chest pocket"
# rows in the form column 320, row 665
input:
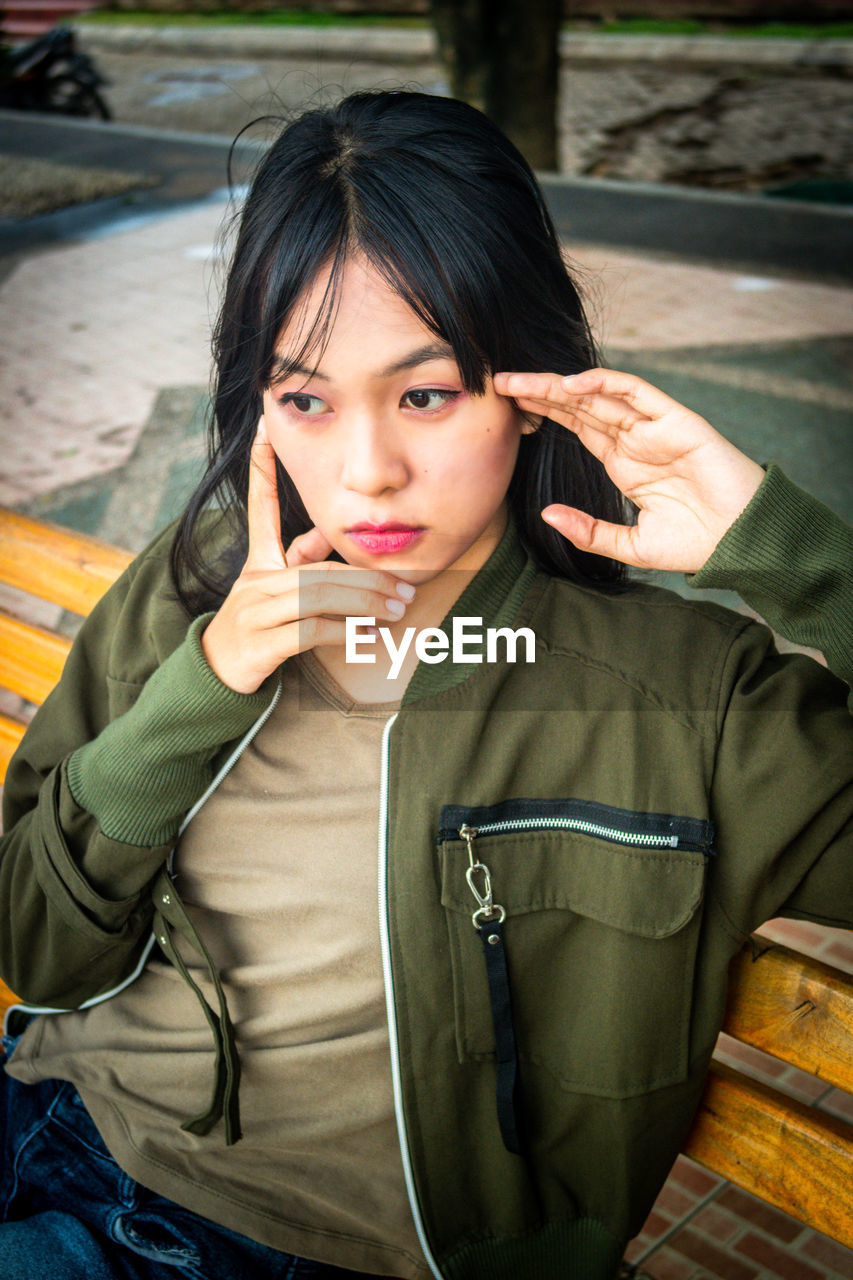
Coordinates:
column 602, row 919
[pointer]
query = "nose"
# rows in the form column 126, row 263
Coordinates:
column 373, row 460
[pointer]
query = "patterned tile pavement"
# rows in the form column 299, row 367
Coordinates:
column 104, row 369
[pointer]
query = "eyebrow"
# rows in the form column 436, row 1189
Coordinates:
column 432, row 351
column 284, row 368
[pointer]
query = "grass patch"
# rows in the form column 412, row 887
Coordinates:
column 33, row 186
column 695, row 27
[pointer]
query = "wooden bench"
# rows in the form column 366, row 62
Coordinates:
column 791, row 1155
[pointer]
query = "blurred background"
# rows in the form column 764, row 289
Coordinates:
column 698, row 161
column 714, row 136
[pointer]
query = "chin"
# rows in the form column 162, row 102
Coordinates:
column 415, row 577
column 406, row 572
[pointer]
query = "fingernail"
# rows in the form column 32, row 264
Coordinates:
column 406, row 590
column 396, row 607
column 570, row 377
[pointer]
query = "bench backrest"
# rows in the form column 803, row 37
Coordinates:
column 64, row 568
column 794, row 1156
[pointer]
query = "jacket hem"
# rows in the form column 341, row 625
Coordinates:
column 235, row 1213
column 580, row 1249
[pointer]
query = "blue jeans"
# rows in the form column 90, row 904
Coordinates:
column 67, row 1210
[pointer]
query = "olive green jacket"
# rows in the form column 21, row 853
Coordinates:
column 654, row 786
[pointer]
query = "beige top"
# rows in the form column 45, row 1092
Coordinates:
column 279, row 872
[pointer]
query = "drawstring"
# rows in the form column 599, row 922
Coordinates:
column 170, row 915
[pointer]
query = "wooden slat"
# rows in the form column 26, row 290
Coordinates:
column 69, row 569
column 790, row 1155
column 11, row 732
column 7, row 997
column 794, row 1008
column 31, row 659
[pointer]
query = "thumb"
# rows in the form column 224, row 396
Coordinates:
column 618, row 541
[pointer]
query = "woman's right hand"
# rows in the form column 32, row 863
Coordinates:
column 269, row 614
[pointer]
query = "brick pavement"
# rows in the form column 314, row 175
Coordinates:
column 103, row 372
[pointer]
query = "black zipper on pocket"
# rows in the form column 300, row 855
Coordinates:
column 605, row 822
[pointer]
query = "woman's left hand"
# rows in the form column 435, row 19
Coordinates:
column 689, row 483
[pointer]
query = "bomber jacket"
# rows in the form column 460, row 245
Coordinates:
column 654, row 786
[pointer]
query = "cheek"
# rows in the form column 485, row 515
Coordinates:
column 311, row 483
column 484, row 456
column 301, row 459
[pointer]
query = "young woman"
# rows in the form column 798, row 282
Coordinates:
column 477, row 1053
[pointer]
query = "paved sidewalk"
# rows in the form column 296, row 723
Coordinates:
column 104, row 370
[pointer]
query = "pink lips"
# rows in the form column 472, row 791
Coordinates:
column 383, row 539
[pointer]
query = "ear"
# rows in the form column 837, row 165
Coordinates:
column 531, row 422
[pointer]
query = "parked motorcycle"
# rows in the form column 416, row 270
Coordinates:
column 50, row 73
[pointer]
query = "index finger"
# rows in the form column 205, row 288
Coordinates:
column 589, row 414
column 540, row 386
column 264, row 516
column 563, row 392
column 643, row 396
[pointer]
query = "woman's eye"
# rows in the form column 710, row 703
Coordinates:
column 429, row 399
column 306, row 406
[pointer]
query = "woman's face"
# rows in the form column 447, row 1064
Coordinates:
column 396, row 463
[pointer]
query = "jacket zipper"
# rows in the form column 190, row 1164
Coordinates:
column 613, row 834
column 616, row 826
column 479, row 877
column 624, row 827
column 388, row 978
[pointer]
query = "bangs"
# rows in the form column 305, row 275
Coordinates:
column 293, row 311
column 426, row 254
column 312, row 240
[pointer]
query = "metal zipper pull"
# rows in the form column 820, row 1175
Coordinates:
column 487, row 909
column 468, row 833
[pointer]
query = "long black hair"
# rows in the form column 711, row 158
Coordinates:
column 437, row 200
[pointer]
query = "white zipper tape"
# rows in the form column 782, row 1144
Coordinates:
column 385, row 943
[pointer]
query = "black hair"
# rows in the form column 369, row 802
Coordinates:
column 436, row 199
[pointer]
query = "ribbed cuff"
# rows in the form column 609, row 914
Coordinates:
column 144, row 771
column 789, row 557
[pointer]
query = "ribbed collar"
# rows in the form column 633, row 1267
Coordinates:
column 494, row 594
